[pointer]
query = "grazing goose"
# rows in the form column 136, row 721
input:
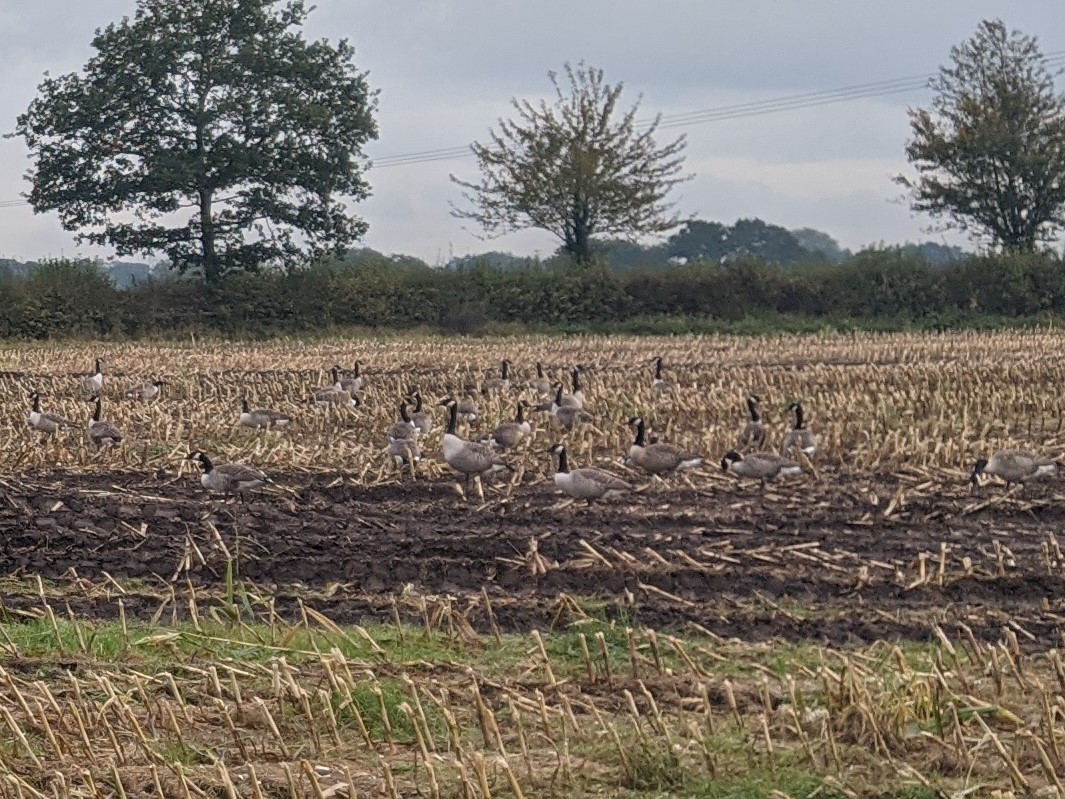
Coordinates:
column 47, row 423
column 228, row 478
column 659, row 458
column 354, row 383
column 469, row 458
column 1014, row 466
column 659, row 385
column 501, row 383
column 753, row 435
column 261, row 417
column 94, row 383
column 334, row 395
column 422, row 419
column 404, row 451
column 586, row 484
column 148, row 391
column 540, row 384
column 508, row 434
column 101, row 432
column 762, row 466
column 403, row 429
column 568, row 416
column 799, row 439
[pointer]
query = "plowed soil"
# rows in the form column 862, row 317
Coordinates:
column 834, row 559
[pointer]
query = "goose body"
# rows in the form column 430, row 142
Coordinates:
column 94, row 383
column 422, row 419
column 762, row 466
column 334, row 395
column 100, row 431
column 47, row 423
column 404, row 452
column 587, row 484
column 659, row 385
column 568, row 416
column 148, row 391
column 228, row 478
column 351, row 384
column 540, row 384
column 261, row 417
column 799, row 439
column 1015, row 466
column 467, row 409
column 753, row 434
column 508, row 434
column 403, row 429
column 469, row 458
column 575, row 399
column 501, row 383
column 660, row 458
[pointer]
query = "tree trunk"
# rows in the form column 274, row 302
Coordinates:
column 211, row 271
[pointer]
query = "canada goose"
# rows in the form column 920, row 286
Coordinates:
column 1014, row 466
column 354, row 383
column 228, row 478
column 587, row 484
column 423, row 420
column 762, row 466
column 508, row 434
column 470, row 458
column 501, row 383
column 568, row 416
column 94, row 383
column 576, row 398
column 334, row 395
column 659, row 385
column 540, row 384
column 799, row 439
column 101, row 432
column 261, row 417
column 404, row 451
column 402, row 429
column 47, row 423
column 659, row 458
column 467, row 409
column 753, row 435
column 148, row 391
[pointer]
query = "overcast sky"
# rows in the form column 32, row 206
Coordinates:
column 447, row 70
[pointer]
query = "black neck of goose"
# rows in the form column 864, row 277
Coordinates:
column 98, row 369
column 417, row 403
column 521, row 413
column 576, row 380
column 98, row 411
column 244, row 406
column 798, row 417
column 356, row 372
column 453, row 417
column 206, row 463
column 504, row 370
column 336, row 375
column 539, row 370
column 641, row 432
column 558, row 394
column 658, row 368
column 36, row 403
column 753, row 407
column 403, row 412
column 563, row 463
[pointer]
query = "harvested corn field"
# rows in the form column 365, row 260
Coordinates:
column 875, row 624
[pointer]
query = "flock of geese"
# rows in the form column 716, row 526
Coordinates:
column 474, row 459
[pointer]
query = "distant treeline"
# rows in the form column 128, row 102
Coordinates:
column 877, row 288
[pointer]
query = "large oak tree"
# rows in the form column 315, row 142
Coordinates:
column 573, row 169
column 990, row 151
column 210, row 130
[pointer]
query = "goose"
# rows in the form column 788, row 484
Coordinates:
column 330, row 396
column 1014, row 466
column 762, row 466
column 468, row 409
column 94, row 383
column 351, row 384
column 228, row 478
column 508, row 434
column 540, row 384
column 261, row 417
column 576, row 398
column 422, row 419
column 659, row 385
column 148, row 391
column 501, row 383
column 587, row 484
column 660, row 458
column 799, row 439
column 101, row 432
column 47, row 423
column 753, row 434
column 404, row 451
column 469, row 458
column 568, row 416
column 403, row 429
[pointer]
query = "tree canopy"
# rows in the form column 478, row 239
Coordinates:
column 211, row 131
column 990, row 150
column 573, row 169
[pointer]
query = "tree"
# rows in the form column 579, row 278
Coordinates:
column 211, row 131
column 573, row 170
column 712, row 241
column 990, row 152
